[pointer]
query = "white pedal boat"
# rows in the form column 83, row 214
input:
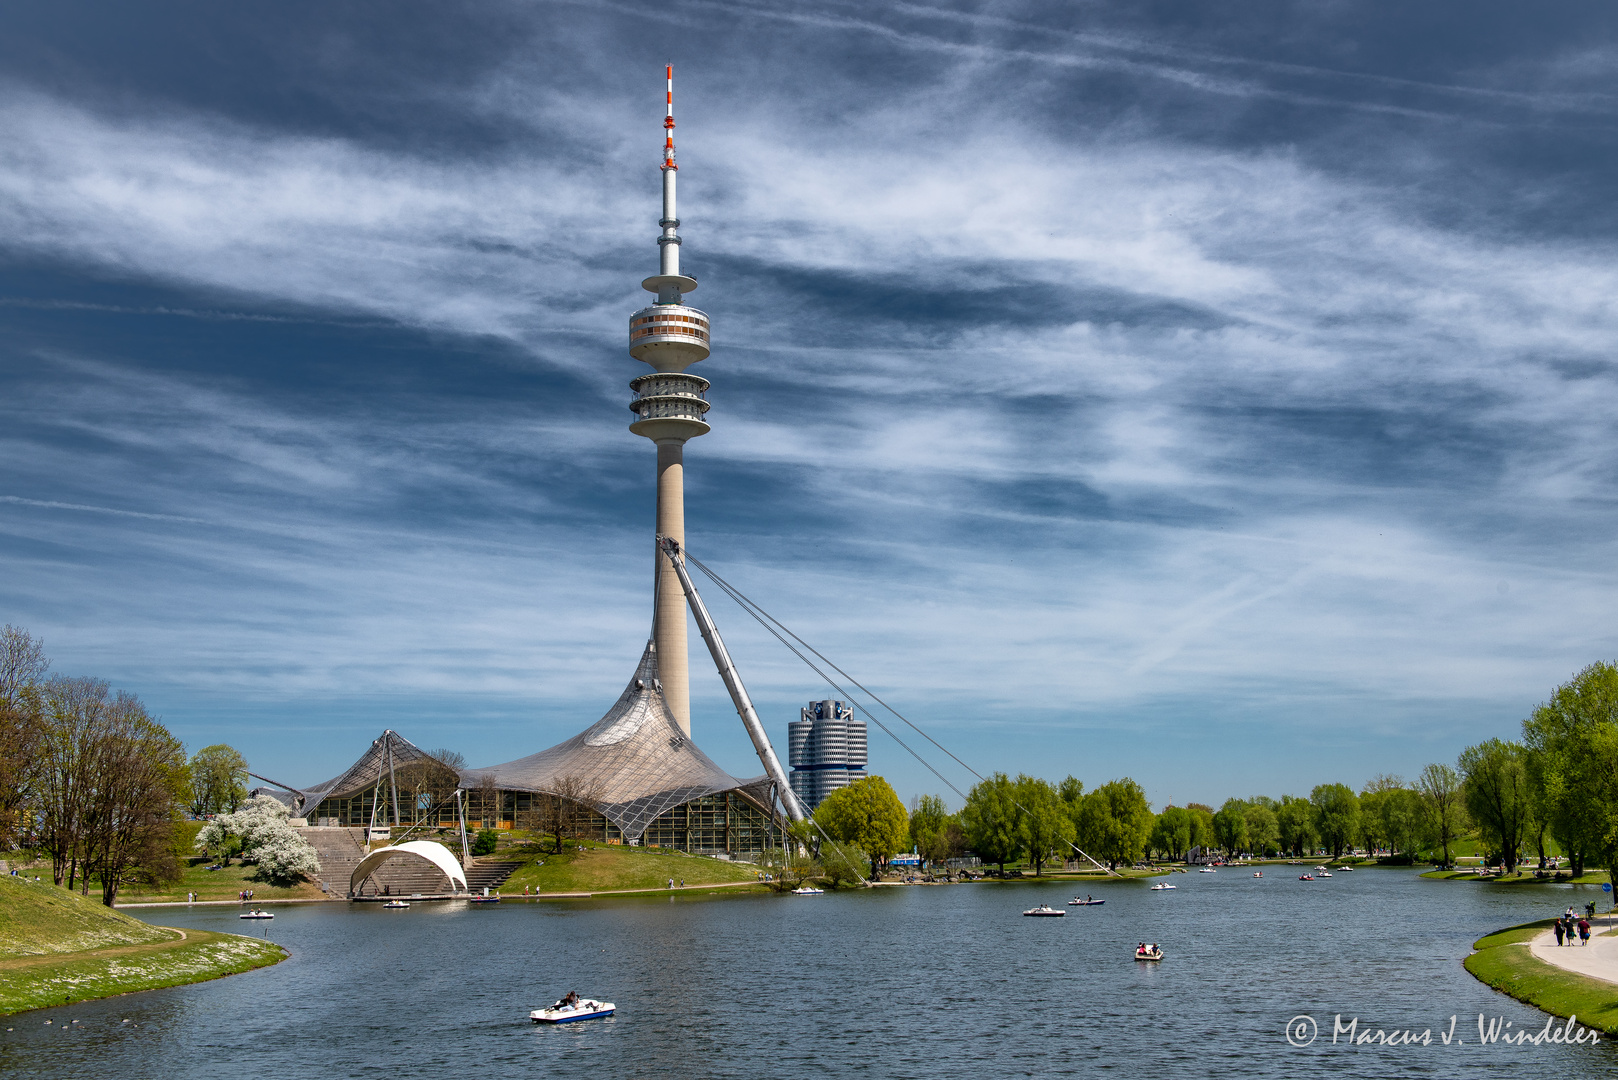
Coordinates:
column 1161, row 885
column 583, row 1009
column 1149, row 953
column 807, row 891
column 1045, row 911
column 396, row 904
column 255, row 914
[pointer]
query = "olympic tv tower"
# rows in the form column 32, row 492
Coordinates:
column 669, row 409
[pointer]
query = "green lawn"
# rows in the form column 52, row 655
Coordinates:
column 1590, row 877
column 221, row 884
column 57, row 947
column 609, row 867
column 42, row 920
column 1503, row 961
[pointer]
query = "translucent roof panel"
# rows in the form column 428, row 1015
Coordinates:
column 631, row 765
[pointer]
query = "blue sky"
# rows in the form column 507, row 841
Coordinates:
column 1216, row 394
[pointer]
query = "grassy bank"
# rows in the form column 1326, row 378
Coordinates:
column 1502, row 960
column 58, row 947
column 1592, row 877
column 222, row 884
column 611, row 867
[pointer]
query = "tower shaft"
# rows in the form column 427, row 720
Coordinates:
column 669, row 622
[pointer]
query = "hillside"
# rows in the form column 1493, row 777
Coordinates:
column 40, row 919
column 57, row 947
column 610, row 867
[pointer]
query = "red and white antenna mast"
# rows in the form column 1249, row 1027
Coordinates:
column 668, row 124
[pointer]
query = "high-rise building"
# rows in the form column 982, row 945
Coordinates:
column 827, row 750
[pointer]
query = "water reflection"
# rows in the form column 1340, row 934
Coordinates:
column 935, row 982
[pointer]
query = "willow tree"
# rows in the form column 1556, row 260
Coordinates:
column 1114, row 822
column 1443, row 805
column 1336, row 815
column 992, row 820
column 1572, row 765
column 1295, row 825
column 1495, row 788
column 868, row 815
column 1045, row 828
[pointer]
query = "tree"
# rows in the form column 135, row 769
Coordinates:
column 1114, row 822
column 562, row 813
column 1045, row 828
column 260, row 829
column 22, row 728
column 218, row 780
column 1402, row 818
column 1230, row 826
column 1262, row 830
column 1495, row 788
column 1336, row 816
column 139, row 775
column 1171, row 833
column 1442, row 805
column 1572, row 781
column 1295, row 824
column 1202, row 825
column 992, row 821
column 868, row 815
column 927, row 816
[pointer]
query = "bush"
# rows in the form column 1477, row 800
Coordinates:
column 841, row 864
column 485, row 841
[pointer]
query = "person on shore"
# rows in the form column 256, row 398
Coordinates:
column 671, row 883
column 1558, row 929
column 1584, row 932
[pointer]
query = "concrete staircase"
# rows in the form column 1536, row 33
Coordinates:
column 488, row 873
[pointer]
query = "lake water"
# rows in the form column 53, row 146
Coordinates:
column 896, row 982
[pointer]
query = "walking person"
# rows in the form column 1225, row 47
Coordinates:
column 1584, row 932
column 1558, row 929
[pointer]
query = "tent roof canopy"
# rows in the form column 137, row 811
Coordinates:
column 631, row 765
column 371, row 767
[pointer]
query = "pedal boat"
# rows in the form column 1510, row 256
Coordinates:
column 583, row 1009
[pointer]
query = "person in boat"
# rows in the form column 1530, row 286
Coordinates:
column 571, row 999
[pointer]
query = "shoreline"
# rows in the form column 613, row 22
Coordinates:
column 1505, row 961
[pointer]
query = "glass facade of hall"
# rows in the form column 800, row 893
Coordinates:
column 726, row 822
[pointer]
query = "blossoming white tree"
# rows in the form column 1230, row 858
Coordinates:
column 261, row 828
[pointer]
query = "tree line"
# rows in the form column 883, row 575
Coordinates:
column 92, row 781
column 1559, row 783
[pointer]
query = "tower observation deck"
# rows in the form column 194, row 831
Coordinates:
column 669, row 407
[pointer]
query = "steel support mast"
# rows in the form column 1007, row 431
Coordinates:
column 733, row 681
